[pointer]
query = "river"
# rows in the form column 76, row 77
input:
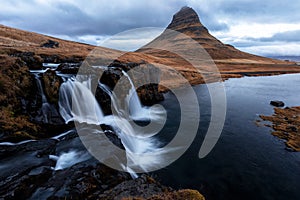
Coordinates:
column 247, row 162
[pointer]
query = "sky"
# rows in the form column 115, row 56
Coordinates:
column 263, row 27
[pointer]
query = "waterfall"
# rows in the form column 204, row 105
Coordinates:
column 46, row 108
column 113, row 98
column 40, row 88
column 136, row 110
column 77, row 103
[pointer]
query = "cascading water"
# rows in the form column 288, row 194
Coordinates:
column 77, row 103
column 45, row 109
column 114, row 100
column 136, row 110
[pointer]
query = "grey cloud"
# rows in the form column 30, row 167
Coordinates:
column 111, row 17
column 288, row 36
column 270, row 11
column 108, row 16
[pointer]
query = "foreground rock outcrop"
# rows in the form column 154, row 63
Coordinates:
column 17, row 88
column 286, row 125
column 31, row 171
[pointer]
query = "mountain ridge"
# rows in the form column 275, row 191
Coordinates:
column 186, row 21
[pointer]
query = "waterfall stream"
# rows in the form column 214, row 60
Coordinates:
column 78, row 103
column 46, row 109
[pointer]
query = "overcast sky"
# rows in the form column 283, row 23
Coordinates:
column 265, row 27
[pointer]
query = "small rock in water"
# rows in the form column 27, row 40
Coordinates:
column 277, row 103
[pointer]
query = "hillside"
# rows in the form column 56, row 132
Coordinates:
column 230, row 61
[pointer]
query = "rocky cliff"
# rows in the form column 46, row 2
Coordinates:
column 187, row 21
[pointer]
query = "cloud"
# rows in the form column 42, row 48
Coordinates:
column 274, row 49
column 244, row 23
column 235, row 11
column 287, row 36
column 77, row 18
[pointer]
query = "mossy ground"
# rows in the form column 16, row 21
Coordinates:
column 286, row 125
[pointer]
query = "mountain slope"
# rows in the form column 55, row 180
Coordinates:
column 187, row 22
column 186, row 30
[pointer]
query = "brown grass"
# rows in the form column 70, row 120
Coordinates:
column 286, row 125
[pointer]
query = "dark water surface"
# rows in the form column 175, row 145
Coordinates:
column 247, row 162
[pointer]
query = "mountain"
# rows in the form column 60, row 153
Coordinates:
column 186, row 33
column 186, row 21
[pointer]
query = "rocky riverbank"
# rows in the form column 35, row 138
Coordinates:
column 286, row 125
column 52, row 169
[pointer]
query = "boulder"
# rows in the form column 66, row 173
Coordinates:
column 277, row 103
column 50, row 44
column 51, row 83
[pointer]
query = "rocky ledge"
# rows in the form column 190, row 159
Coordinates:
column 31, row 170
column 286, row 125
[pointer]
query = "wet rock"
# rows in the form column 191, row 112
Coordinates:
column 104, row 100
column 50, row 44
column 51, row 83
column 277, row 103
column 21, row 186
column 41, row 147
column 81, row 181
column 146, row 76
column 149, row 94
column 68, row 68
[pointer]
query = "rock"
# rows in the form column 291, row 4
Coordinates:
column 149, row 93
column 186, row 19
column 51, row 58
column 180, row 195
column 277, row 103
column 41, row 147
column 147, row 73
column 51, row 83
column 55, row 58
column 16, row 94
column 68, row 68
column 285, row 125
column 81, row 181
column 32, row 60
column 141, row 187
column 50, row 44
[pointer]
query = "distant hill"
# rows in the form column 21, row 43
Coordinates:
column 289, row 58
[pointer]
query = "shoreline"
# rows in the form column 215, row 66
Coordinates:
column 286, row 126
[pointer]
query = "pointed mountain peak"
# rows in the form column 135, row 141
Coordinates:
column 186, row 18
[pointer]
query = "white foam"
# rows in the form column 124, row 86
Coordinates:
column 69, row 159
